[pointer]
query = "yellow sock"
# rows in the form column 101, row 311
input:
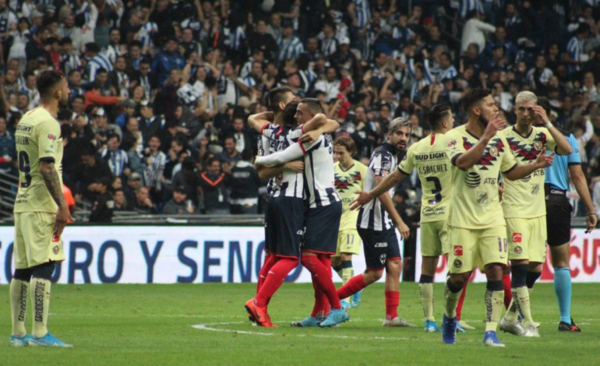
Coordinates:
column 18, row 306
column 512, row 315
column 524, row 304
column 347, row 274
column 494, row 302
column 40, row 300
column 426, row 290
column 451, row 301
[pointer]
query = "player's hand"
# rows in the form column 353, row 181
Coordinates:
column 310, row 137
column 362, row 199
column 544, row 160
column 62, row 216
column 494, row 125
column 591, row 220
column 404, row 230
column 295, row 166
column 540, row 114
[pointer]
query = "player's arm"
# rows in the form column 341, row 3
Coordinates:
column 521, row 171
column 293, row 152
column 267, row 172
column 317, row 126
column 52, row 181
column 260, row 120
column 469, row 158
column 582, row 188
column 562, row 144
column 386, row 184
column 388, row 205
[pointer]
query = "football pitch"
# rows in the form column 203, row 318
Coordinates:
column 206, row 324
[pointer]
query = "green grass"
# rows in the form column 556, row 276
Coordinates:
column 152, row 325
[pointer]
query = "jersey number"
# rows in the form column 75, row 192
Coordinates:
column 25, row 168
column 437, row 191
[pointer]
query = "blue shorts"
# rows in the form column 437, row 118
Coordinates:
column 284, row 226
column 380, row 246
column 322, row 228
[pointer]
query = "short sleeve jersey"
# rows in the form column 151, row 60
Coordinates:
column 37, row 138
column 557, row 173
column 431, row 160
column 475, row 203
column 347, row 182
column 524, row 198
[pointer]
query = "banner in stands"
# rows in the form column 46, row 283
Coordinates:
column 584, row 260
column 159, row 254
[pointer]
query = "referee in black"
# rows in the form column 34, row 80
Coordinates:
column 558, row 219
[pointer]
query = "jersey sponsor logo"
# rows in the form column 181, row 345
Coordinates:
column 433, row 211
column 458, row 250
column 22, row 140
column 26, row 129
column 472, row 180
column 517, row 237
column 55, row 238
column 51, row 137
column 457, row 263
column 381, row 245
column 299, row 232
column 535, row 189
column 482, row 198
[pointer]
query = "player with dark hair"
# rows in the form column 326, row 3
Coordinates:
column 41, row 212
column 524, row 209
column 476, row 226
column 324, row 213
column 349, row 177
column 429, row 157
column 377, row 221
column 558, row 218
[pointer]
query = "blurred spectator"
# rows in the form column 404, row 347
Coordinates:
column 121, row 204
column 214, row 184
column 134, row 182
column 179, row 204
column 7, row 147
column 142, row 202
column 155, row 165
column 102, row 209
column 188, row 178
column 117, row 159
column 87, row 173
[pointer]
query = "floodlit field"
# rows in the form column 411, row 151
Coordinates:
column 207, row 325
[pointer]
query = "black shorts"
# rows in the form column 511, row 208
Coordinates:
column 322, row 228
column 284, row 226
column 380, row 246
column 558, row 219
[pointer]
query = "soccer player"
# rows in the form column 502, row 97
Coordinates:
column 476, row 226
column 429, row 157
column 376, row 221
column 349, row 177
column 323, row 216
column 525, row 209
column 40, row 212
column 558, row 217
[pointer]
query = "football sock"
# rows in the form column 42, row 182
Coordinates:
column 322, row 276
column 562, row 288
column 39, row 290
column 507, row 290
column 275, row 279
column 426, row 291
column 347, row 273
column 321, row 307
column 452, row 294
column 19, row 292
column 354, row 285
column 520, row 295
column 262, row 275
column 494, row 301
column 392, row 299
column 461, row 301
column 532, row 277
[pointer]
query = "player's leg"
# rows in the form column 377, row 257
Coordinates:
column 562, row 286
column 351, row 246
column 428, row 266
column 506, row 281
column 264, row 270
column 19, row 288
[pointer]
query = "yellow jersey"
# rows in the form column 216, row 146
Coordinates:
column 37, row 138
column 524, row 198
column 475, row 203
column 430, row 158
column 347, row 183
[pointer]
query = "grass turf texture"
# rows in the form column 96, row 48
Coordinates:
column 152, row 325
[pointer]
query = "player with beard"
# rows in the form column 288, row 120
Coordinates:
column 558, row 216
column 429, row 157
column 476, row 226
column 525, row 209
column 41, row 212
column 323, row 216
column 377, row 220
column 284, row 219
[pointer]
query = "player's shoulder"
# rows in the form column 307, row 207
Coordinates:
column 336, row 165
column 457, row 132
column 360, row 166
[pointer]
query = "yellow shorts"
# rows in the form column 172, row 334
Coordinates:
column 527, row 239
column 34, row 240
column 348, row 242
column 469, row 249
column 434, row 238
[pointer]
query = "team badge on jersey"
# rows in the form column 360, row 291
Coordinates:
column 457, row 263
column 518, row 250
column 55, row 249
column 538, row 145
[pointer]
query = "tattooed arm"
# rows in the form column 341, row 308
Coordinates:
column 52, row 181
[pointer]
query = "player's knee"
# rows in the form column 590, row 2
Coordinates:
column 493, row 271
column 44, row 271
column 23, row 274
column 394, row 266
column 373, row 276
column 346, row 257
column 459, row 279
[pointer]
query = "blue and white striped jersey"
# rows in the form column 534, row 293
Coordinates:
column 289, row 49
column 319, row 172
column 576, row 52
column 117, row 160
column 362, row 12
column 98, row 62
column 373, row 216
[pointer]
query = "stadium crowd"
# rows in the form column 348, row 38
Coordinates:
column 161, row 90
